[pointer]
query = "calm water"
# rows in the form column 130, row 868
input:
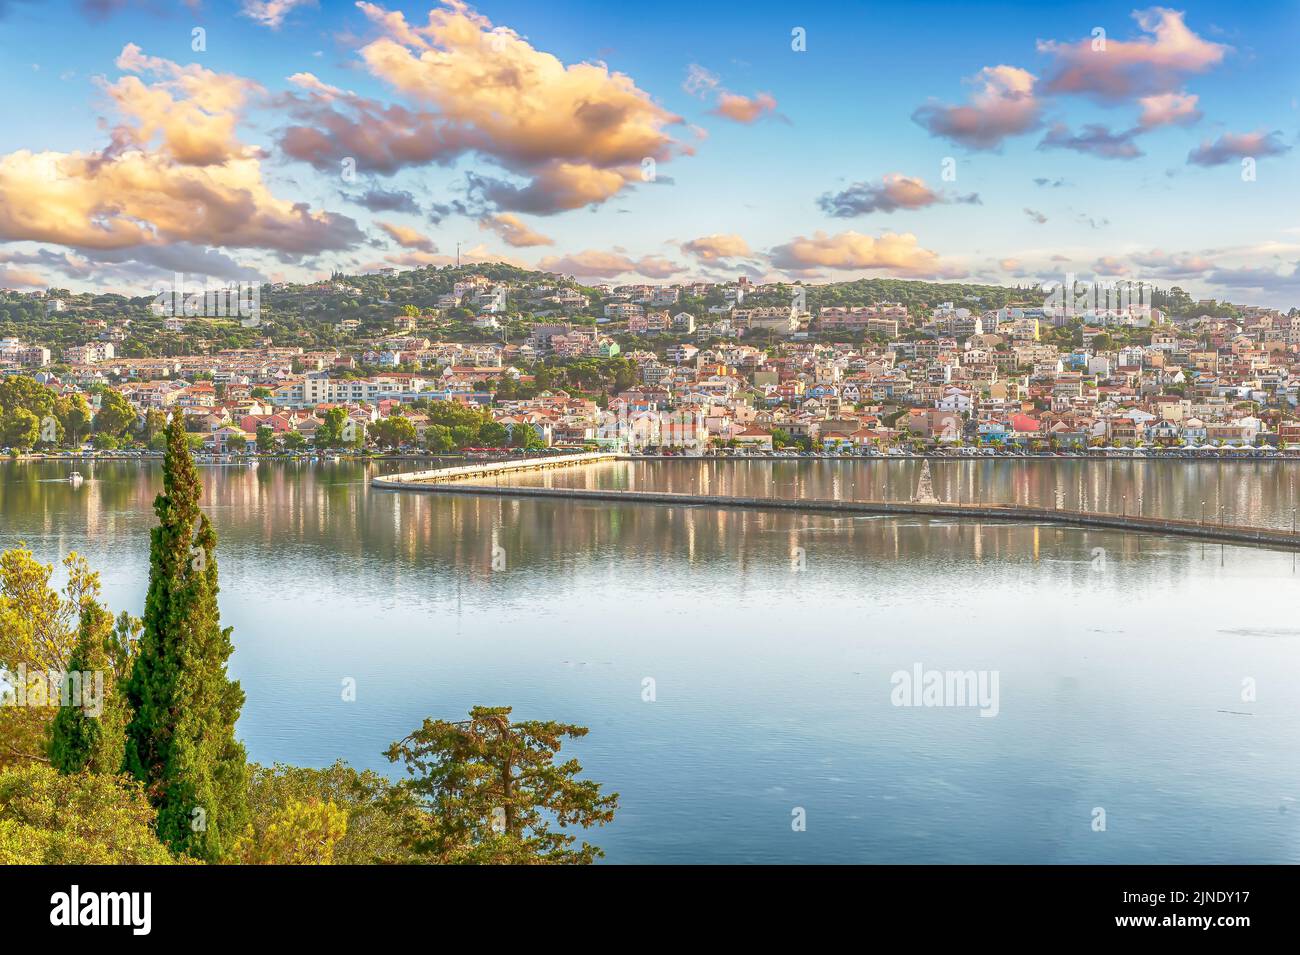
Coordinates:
column 1255, row 492
column 771, row 640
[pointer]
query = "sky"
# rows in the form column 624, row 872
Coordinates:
column 996, row 142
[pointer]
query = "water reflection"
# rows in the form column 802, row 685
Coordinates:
column 1257, row 492
column 771, row 638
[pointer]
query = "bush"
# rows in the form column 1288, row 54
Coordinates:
column 86, row 819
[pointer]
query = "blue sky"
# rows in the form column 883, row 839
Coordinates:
column 1139, row 144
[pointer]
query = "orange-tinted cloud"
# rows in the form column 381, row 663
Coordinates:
column 893, row 192
column 407, row 237
column 514, row 231
column 1233, row 146
column 593, row 264
column 1095, row 139
column 1152, row 64
column 578, row 133
column 853, row 251
column 478, row 254
column 745, row 109
column 192, row 109
column 137, row 198
column 1158, row 264
column 194, row 188
column 1109, row 265
column 12, row 276
column 1002, row 105
column 715, row 248
column 1168, row 109
column 734, row 106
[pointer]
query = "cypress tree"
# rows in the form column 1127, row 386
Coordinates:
column 181, row 739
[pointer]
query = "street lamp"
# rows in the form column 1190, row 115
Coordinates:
column 1202, row 512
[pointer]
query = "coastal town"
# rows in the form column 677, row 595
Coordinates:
column 485, row 433
column 480, row 359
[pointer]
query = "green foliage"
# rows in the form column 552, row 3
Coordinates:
column 23, row 399
column 393, row 431
column 115, row 415
column 490, row 789
column 39, row 632
column 47, row 818
column 437, row 438
column 586, row 376
column 181, row 740
column 20, row 429
column 526, row 437
column 377, row 812
column 155, row 424
column 330, row 432
column 95, row 742
column 494, row 435
column 298, row 833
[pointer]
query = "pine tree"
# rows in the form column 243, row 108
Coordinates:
column 181, row 740
column 488, row 790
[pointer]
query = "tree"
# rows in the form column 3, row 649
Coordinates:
column 26, row 407
column 115, row 414
column 39, row 632
column 265, row 439
column 393, row 431
column 493, row 434
column 181, row 740
column 20, row 391
column 330, row 432
column 437, row 438
column 299, row 833
column 89, row 731
column 489, row 790
column 377, row 811
column 20, row 429
column 294, row 441
column 75, row 416
column 155, row 424
column 526, row 437
column 47, row 818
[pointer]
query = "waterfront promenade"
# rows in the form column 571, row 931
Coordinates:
column 456, row 481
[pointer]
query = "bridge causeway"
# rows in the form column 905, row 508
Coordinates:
column 454, row 481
